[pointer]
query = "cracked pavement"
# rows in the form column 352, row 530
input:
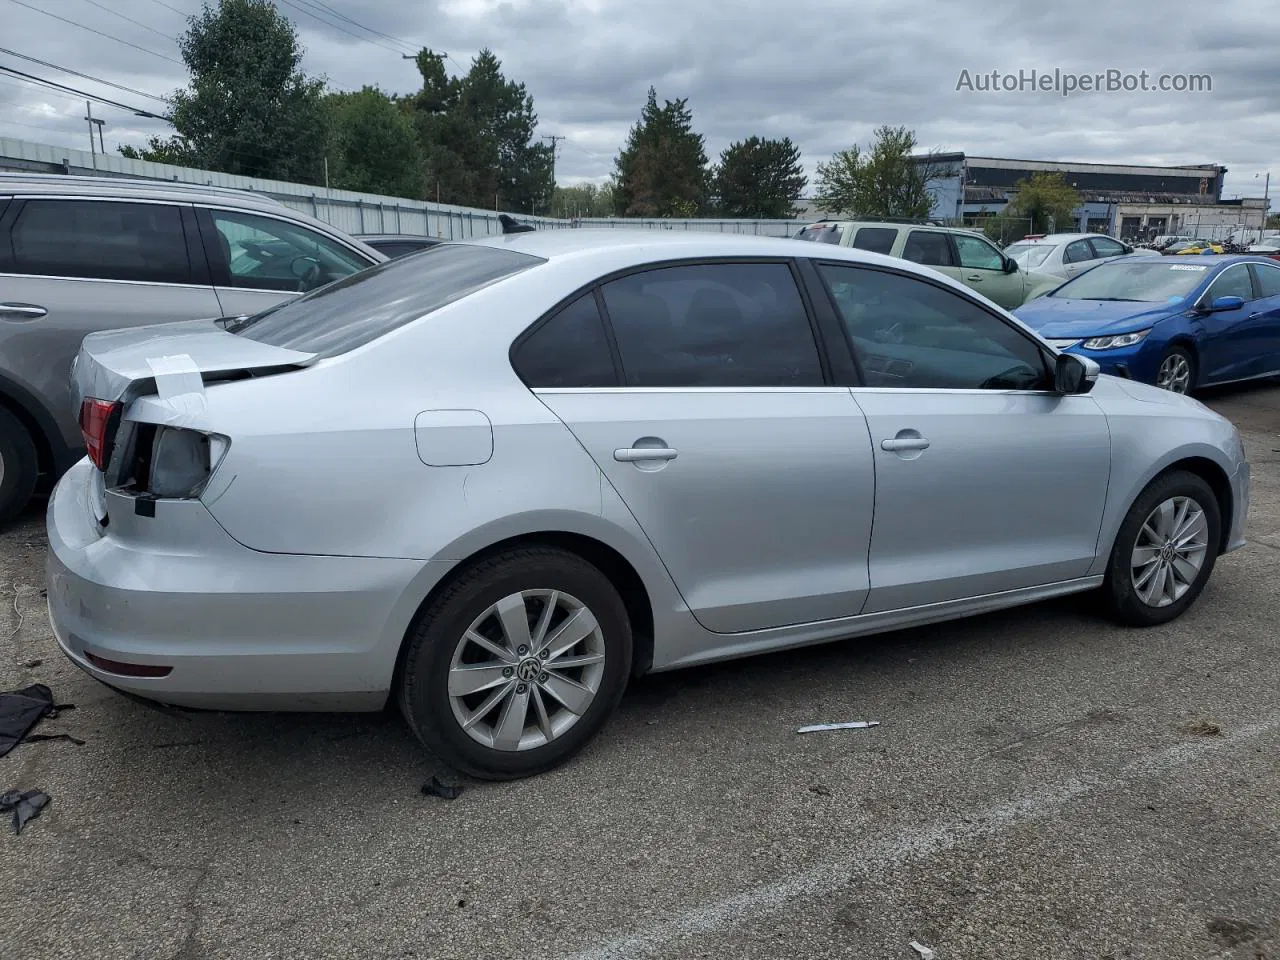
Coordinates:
column 1043, row 784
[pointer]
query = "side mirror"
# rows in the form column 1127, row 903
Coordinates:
column 1225, row 303
column 1010, row 265
column 1072, row 374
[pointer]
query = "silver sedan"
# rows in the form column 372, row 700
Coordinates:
column 493, row 480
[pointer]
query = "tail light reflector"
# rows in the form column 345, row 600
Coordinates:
column 98, row 422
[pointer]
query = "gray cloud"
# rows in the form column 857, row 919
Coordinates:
column 824, row 72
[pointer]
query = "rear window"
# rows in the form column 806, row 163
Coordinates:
column 364, row 306
column 822, row 233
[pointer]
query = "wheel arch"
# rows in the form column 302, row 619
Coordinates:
column 1219, row 482
column 51, row 451
column 604, row 557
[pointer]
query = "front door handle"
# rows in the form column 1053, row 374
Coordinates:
column 1254, row 316
column 898, row 444
column 640, row 454
column 22, row 311
column 974, row 276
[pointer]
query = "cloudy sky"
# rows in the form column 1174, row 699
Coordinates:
column 823, row 72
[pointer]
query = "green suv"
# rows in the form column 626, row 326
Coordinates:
column 963, row 255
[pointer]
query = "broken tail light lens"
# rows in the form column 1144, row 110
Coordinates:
column 182, row 462
column 98, row 422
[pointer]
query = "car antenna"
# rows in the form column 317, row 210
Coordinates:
column 510, row 225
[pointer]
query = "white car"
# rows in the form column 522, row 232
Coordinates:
column 1066, row 254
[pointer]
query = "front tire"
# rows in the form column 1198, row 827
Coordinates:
column 1164, row 551
column 19, row 466
column 1177, row 370
column 517, row 664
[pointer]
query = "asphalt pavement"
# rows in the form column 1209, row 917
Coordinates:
column 1043, row 784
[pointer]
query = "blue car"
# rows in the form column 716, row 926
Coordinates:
column 1177, row 322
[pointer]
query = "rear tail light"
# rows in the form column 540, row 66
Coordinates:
column 98, row 422
column 172, row 463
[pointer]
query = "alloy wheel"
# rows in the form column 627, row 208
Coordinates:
column 526, row 670
column 1174, row 374
column 1169, row 552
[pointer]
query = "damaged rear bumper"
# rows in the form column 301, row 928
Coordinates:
column 237, row 629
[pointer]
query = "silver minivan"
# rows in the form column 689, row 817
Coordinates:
column 79, row 254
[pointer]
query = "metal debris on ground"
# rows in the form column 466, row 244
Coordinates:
column 25, row 805
column 435, row 787
column 925, row 952
column 850, row 725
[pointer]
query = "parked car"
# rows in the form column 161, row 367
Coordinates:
column 1270, row 247
column 493, row 480
column 1174, row 324
column 79, row 254
column 1166, row 240
column 397, row 244
column 1063, row 255
column 1199, row 247
column 961, row 254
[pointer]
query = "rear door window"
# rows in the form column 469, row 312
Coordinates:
column 875, row 239
column 101, row 240
column 713, row 325
column 364, row 306
column 928, row 247
column 1268, row 280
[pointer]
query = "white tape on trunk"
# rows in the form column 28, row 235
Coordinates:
column 179, row 385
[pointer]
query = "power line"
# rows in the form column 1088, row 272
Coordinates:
column 84, row 76
column 136, row 23
column 174, row 9
column 355, row 23
column 98, row 32
column 336, row 26
column 80, row 93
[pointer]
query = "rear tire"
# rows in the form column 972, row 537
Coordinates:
column 480, row 685
column 1164, row 551
column 19, row 466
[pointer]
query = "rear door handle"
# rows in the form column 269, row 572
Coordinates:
column 638, row 454
column 904, row 443
column 22, row 311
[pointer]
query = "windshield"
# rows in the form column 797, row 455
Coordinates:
column 366, row 305
column 1145, row 280
column 1029, row 254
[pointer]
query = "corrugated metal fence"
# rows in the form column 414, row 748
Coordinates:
column 349, row 211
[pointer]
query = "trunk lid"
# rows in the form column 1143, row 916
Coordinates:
column 170, row 359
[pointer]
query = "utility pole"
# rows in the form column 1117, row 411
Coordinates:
column 554, row 140
column 94, row 121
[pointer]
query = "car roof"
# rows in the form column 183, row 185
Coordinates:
column 17, row 184
column 625, row 247
column 1053, row 239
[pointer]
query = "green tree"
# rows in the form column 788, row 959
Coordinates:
column 477, row 137
column 759, row 178
column 580, row 200
column 662, row 169
column 373, row 147
column 249, row 109
column 1043, row 198
column 886, row 180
